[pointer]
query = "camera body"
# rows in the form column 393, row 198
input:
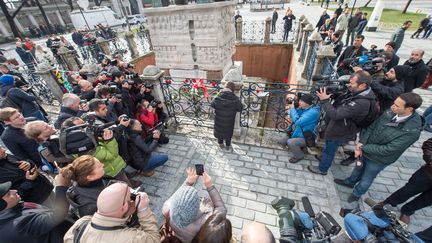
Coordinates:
column 334, row 87
column 155, row 103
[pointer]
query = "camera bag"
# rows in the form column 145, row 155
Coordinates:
column 77, row 141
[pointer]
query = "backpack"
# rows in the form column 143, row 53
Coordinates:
column 6, row 101
column 373, row 114
column 77, row 140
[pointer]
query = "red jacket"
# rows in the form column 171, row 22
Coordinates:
column 147, row 118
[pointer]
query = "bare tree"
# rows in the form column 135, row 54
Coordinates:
column 367, row 3
column 406, row 6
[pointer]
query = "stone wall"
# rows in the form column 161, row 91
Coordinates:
column 143, row 61
column 187, row 37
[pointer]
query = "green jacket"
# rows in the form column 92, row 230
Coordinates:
column 398, row 37
column 385, row 141
column 108, row 154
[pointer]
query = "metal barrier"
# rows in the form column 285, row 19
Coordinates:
column 253, row 31
column 310, row 66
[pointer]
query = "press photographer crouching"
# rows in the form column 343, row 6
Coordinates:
column 304, row 118
column 344, row 117
column 140, row 149
column 115, row 206
column 82, row 138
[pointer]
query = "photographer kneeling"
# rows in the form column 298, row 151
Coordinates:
column 305, row 117
column 140, row 150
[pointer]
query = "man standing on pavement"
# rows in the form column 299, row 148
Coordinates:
column 417, row 70
column 343, row 117
column 398, row 36
column 274, row 19
column 423, row 25
column 419, row 185
column 352, row 26
column 383, row 142
column 342, row 22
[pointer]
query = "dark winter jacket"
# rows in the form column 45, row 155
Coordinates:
column 337, row 46
column 25, row 101
column 25, row 56
column 351, row 52
column 361, row 26
column 21, row 146
column 385, row 141
column 354, row 21
column 65, row 113
column 386, row 92
column 78, row 39
column 27, row 223
column 322, row 20
column 288, row 21
column 343, row 116
column 36, row 191
column 139, row 151
column 226, row 105
column 275, row 17
column 424, row 23
column 84, row 197
column 416, row 76
column 393, row 62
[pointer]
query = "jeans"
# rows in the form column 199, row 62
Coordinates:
column 330, row 148
column 155, row 160
column 227, row 142
column 273, row 27
column 363, row 176
column 419, row 183
column 427, row 32
column 295, row 145
column 285, row 36
column 428, row 115
column 350, row 37
column 38, row 114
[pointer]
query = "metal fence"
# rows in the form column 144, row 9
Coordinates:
column 253, row 31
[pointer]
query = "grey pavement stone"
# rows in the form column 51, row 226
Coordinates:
column 256, row 206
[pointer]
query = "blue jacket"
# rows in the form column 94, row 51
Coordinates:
column 26, row 57
column 304, row 119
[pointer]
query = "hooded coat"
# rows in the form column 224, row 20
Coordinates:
column 226, row 105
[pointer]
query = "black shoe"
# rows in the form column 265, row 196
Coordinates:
column 342, row 183
column 316, row 170
column 294, row 160
column 347, row 161
column 353, row 198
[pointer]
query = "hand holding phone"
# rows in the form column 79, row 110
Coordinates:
column 199, row 169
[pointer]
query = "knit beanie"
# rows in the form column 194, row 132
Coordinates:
column 184, row 206
column 391, row 43
column 307, row 98
column 6, row 79
column 402, row 72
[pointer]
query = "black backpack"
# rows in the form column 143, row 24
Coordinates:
column 77, row 140
column 373, row 114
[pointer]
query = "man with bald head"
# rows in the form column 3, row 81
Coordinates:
column 115, row 206
column 419, row 70
column 256, row 233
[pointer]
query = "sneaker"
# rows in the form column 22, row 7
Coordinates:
column 353, row 198
column 342, row 183
column 221, row 145
column 316, row 170
column 294, row 160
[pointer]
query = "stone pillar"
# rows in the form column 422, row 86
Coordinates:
column 267, row 30
column 323, row 53
column 3, row 30
column 69, row 59
column 306, row 31
column 235, row 76
column 239, row 26
column 32, row 20
column 18, row 25
column 62, row 23
column 296, row 37
column 300, row 39
column 314, row 39
column 152, row 74
column 131, row 44
column 44, row 71
column 104, row 46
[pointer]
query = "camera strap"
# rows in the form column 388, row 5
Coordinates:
column 81, row 228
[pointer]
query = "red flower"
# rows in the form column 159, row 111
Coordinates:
column 196, row 86
column 285, row 80
column 184, row 89
column 168, row 81
column 193, row 80
column 186, row 81
column 213, row 84
column 201, row 81
column 257, row 91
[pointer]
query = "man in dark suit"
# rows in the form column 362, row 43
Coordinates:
column 353, row 51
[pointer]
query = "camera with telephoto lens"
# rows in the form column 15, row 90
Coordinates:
column 155, row 103
column 131, row 75
column 334, row 87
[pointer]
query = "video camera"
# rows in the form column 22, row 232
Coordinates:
column 368, row 61
column 334, row 87
column 98, row 129
column 304, row 226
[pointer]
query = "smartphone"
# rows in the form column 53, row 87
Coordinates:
column 199, row 169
